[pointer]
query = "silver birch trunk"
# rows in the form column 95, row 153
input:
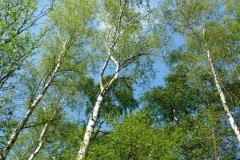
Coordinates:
column 104, row 87
column 223, row 98
column 33, row 105
column 40, row 141
column 216, row 80
column 97, row 106
column 90, row 127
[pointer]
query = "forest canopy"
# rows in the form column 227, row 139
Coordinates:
column 119, row 79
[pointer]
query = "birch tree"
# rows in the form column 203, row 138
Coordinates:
column 194, row 27
column 18, row 42
column 48, row 80
column 125, row 41
column 42, row 138
column 64, row 38
column 200, row 118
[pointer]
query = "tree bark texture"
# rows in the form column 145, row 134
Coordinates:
column 223, row 98
column 90, row 127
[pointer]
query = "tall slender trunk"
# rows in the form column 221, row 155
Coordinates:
column 90, row 127
column 223, row 98
column 40, row 141
column 33, row 105
column 202, row 41
column 98, row 104
column 104, row 88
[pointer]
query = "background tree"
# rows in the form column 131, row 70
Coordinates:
column 199, row 30
column 64, row 39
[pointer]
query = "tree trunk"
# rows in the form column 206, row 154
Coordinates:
column 33, row 105
column 223, row 98
column 22, row 123
column 43, row 133
column 90, row 127
column 104, row 88
column 40, row 141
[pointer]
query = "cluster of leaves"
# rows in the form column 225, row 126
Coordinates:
column 182, row 119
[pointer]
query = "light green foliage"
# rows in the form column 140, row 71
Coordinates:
column 73, row 22
column 202, row 28
column 137, row 138
column 134, row 38
column 195, row 137
column 75, row 16
column 182, row 119
column 38, row 71
column 17, row 40
column 17, row 43
column 219, row 35
column 132, row 139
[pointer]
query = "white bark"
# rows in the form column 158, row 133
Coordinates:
column 40, row 142
column 33, row 105
column 220, row 91
column 174, row 115
column 216, row 80
column 223, row 98
column 97, row 106
column 90, row 127
column 104, row 88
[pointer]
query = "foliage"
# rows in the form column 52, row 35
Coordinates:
column 180, row 119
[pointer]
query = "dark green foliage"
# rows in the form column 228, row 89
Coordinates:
column 118, row 101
